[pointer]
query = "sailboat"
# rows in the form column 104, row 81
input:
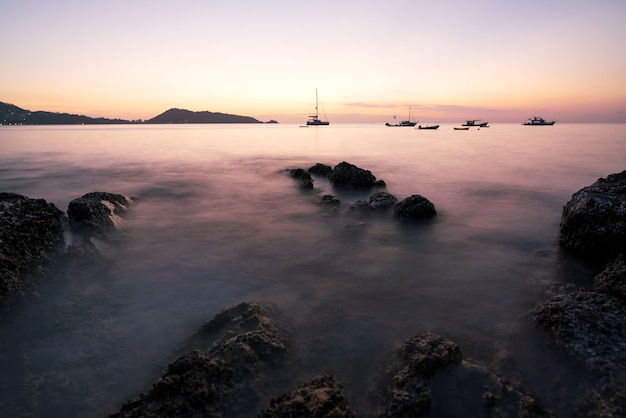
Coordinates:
column 407, row 122
column 315, row 120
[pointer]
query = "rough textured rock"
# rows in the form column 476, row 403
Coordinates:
column 305, row 182
column 347, row 175
column 612, row 279
column 321, row 170
column 381, row 201
column 593, row 223
column 97, row 213
column 417, row 360
column 31, row 234
column 589, row 326
column 414, row 207
column 217, row 378
column 322, row 396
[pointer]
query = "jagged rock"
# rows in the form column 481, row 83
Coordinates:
column 321, row 170
column 593, row 223
column 612, row 279
column 414, row 207
column 217, row 377
column 350, row 176
column 31, row 234
column 97, row 212
column 322, row 396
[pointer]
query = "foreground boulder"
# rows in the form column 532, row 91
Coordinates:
column 97, row 213
column 322, row 396
column 31, row 234
column 612, row 279
column 347, row 175
column 593, row 223
column 414, row 207
column 218, row 377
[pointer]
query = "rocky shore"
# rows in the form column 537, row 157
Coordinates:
column 222, row 369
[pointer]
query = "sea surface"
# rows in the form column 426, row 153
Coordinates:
column 217, row 221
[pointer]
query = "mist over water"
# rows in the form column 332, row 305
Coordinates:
column 216, row 222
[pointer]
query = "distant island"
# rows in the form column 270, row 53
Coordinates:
column 13, row 115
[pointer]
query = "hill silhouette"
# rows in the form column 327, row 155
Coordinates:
column 187, row 116
column 14, row 115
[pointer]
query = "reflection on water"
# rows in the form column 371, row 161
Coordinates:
column 216, row 222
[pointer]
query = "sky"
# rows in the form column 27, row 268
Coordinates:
column 370, row 60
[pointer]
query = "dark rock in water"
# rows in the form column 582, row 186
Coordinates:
column 322, row 396
column 382, row 201
column 31, row 235
column 612, row 279
column 589, row 326
column 329, row 200
column 416, row 362
column 321, row 170
column 304, row 178
column 360, row 207
column 350, row 176
column 97, row 212
column 217, row 378
column 414, row 207
column 593, row 223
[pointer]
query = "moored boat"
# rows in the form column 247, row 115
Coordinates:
column 473, row 122
column 428, row 127
column 314, row 120
column 537, row 121
column 404, row 123
column 456, row 128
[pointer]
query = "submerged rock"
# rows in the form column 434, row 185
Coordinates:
column 414, row 207
column 305, row 182
column 322, row 396
column 381, row 201
column 31, row 235
column 593, row 223
column 217, row 377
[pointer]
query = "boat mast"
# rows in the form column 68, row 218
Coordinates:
column 316, row 112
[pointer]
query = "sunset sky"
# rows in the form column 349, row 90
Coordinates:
column 449, row 60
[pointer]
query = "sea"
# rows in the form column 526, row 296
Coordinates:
column 218, row 221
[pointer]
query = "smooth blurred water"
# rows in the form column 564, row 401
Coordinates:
column 218, row 222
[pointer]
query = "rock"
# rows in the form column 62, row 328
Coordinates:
column 593, row 223
column 416, row 362
column 305, row 182
column 589, row 326
column 414, row 207
column 612, row 279
column 217, row 377
column 329, row 200
column 360, row 207
column 321, row 170
column 322, row 396
column 31, row 235
column 381, row 201
column 97, row 213
column 350, row 176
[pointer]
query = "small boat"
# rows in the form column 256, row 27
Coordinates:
column 315, row 120
column 404, row 123
column 461, row 129
column 428, row 127
column 537, row 121
column 473, row 123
